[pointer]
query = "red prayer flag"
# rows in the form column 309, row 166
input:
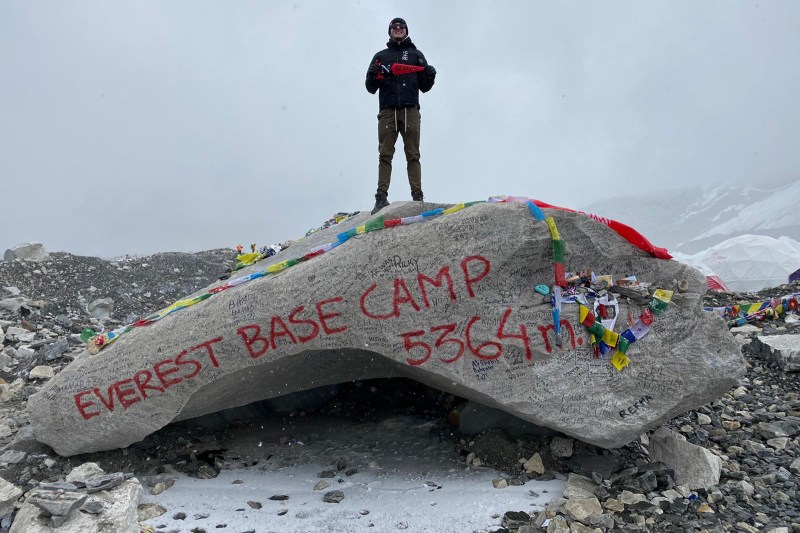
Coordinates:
column 558, row 274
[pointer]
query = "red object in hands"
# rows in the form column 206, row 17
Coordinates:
column 399, row 68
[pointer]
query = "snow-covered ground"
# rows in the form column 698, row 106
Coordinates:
column 406, row 478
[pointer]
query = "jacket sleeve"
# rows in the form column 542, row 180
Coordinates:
column 372, row 84
column 425, row 81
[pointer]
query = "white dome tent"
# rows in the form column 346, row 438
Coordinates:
column 752, row 262
column 713, row 281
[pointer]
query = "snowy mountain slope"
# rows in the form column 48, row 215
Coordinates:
column 693, row 219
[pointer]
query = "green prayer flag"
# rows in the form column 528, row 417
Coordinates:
column 623, row 344
column 597, row 330
column 374, row 225
column 559, row 247
column 657, row 306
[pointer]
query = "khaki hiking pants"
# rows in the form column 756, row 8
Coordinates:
column 406, row 122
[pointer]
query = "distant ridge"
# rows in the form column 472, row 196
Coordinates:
column 692, row 219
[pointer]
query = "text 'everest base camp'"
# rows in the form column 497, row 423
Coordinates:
column 447, row 300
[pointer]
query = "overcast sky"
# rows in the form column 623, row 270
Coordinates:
column 137, row 127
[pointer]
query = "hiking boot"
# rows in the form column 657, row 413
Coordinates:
column 416, row 196
column 380, row 202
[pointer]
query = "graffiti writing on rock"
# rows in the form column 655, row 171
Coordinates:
column 242, row 308
column 397, row 262
column 566, row 329
column 147, row 382
column 450, row 345
column 482, row 368
column 483, row 340
column 641, row 403
column 374, row 301
column 301, row 328
column 305, row 323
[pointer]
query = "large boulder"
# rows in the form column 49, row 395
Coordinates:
column 783, row 350
column 30, row 251
column 447, row 301
column 694, row 466
column 9, row 494
column 118, row 513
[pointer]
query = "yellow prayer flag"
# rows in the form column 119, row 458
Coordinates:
column 611, row 338
column 361, row 229
column 277, row 267
column 583, row 312
column 663, row 294
column 457, row 207
column 249, row 259
column 551, row 223
column 620, row 361
column 177, row 305
column 168, row 309
column 753, row 308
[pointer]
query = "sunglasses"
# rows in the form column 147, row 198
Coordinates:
column 398, row 26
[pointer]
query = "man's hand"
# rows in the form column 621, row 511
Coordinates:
column 430, row 71
column 373, row 71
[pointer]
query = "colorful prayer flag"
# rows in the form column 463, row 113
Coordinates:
column 663, row 294
column 551, row 224
column 620, row 361
column 457, row 207
column 558, row 251
column 657, row 306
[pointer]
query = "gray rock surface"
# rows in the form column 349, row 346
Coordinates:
column 41, row 372
column 31, row 251
column 83, row 472
column 783, row 350
column 9, row 494
column 374, row 306
column 56, row 503
column 561, row 447
column 578, row 486
column 581, row 508
column 105, row 481
column 101, row 308
column 147, row 511
column 694, row 466
column 12, row 304
column 119, row 514
column 12, row 456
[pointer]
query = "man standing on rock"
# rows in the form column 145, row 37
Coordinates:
column 399, row 88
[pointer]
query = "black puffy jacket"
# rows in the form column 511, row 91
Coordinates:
column 403, row 90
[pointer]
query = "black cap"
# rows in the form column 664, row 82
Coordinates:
column 396, row 20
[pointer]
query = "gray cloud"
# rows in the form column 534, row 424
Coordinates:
column 178, row 126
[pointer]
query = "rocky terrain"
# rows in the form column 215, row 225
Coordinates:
column 754, row 430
